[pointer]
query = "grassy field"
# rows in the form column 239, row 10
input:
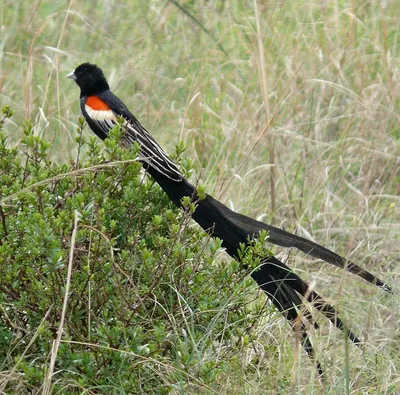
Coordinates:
column 290, row 112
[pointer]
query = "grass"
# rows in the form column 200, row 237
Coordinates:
column 305, row 91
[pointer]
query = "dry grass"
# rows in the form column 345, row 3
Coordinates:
column 318, row 80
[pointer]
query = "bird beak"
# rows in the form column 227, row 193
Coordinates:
column 72, row 75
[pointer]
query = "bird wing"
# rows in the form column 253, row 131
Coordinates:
column 150, row 152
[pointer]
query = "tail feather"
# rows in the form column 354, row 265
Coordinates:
column 286, row 290
column 286, row 299
column 250, row 228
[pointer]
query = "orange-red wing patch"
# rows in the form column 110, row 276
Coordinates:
column 97, row 104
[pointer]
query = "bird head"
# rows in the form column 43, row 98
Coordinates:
column 89, row 78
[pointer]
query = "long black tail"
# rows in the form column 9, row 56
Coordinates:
column 249, row 227
column 234, row 228
column 284, row 287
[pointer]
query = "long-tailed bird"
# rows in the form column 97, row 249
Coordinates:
column 101, row 109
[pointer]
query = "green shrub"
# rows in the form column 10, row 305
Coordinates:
column 152, row 306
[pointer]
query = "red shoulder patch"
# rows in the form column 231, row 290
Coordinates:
column 97, row 104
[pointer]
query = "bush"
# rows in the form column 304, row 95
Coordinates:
column 152, row 307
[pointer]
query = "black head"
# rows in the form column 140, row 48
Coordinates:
column 89, row 78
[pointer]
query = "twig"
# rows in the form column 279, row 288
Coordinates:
column 56, row 343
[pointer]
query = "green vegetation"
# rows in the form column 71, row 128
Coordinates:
column 154, row 305
column 149, row 306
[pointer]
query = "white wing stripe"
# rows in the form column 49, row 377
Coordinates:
column 100, row 115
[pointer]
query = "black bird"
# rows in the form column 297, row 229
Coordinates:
column 101, row 109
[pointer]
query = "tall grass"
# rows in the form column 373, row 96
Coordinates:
column 290, row 110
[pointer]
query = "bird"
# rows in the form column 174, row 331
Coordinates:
column 102, row 110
